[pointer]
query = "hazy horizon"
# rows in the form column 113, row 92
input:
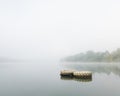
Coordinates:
column 49, row 28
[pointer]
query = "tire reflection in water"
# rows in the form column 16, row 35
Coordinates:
column 76, row 79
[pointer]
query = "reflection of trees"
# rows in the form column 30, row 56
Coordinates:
column 96, row 67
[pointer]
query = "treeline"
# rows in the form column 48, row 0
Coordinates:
column 91, row 56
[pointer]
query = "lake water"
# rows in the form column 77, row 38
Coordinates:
column 43, row 79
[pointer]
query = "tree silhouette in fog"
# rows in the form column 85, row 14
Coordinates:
column 91, row 56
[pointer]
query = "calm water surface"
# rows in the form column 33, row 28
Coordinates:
column 43, row 79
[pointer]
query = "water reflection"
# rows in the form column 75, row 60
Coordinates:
column 106, row 68
column 66, row 78
column 83, row 79
column 76, row 79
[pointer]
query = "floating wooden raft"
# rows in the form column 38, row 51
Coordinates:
column 77, row 74
column 67, row 72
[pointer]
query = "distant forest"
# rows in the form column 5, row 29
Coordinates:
column 91, row 56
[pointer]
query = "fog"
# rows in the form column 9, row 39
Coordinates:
column 39, row 29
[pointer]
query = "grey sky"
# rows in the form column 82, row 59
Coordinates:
column 50, row 28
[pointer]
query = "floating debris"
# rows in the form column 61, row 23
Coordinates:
column 82, row 76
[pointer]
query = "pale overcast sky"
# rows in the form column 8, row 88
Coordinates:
column 50, row 28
